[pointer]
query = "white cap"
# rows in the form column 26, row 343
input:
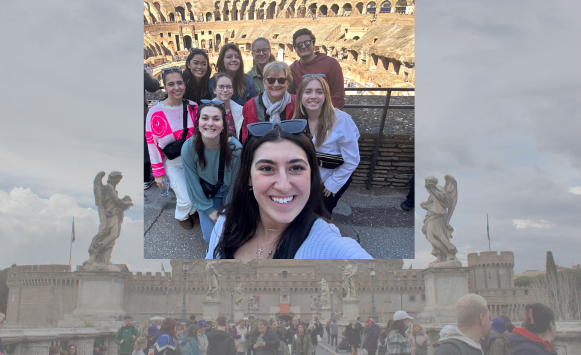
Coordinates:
column 399, row 315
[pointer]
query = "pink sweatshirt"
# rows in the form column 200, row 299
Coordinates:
column 164, row 125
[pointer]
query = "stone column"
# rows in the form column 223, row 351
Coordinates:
column 211, row 309
column 350, row 309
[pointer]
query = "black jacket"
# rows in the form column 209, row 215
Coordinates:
column 270, row 338
column 220, row 343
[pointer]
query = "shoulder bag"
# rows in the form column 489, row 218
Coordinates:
column 329, row 161
column 211, row 190
column 174, row 149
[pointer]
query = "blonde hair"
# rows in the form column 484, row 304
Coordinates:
column 275, row 67
column 139, row 343
column 328, row 116
column 422, row 329
column 468, row 310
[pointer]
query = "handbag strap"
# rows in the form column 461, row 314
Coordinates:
column 185, row 129
column 221, row 169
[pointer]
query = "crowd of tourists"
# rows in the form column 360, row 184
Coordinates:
column 261, row 158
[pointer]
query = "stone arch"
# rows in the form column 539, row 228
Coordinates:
column 400, row 6
column 181, row 12
column 208, row 16
column 347, row 7
column 385, row 6
column 159, row 11
column 359, row 7
column 301, row 11
column 356, row 38
column 371, row 7
column 335, row 9
column 312, row 9
column 271, row 11
column 323, row 10
column 187, row 42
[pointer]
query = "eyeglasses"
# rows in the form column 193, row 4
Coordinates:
column 271, row 81
column 217, row 102
column 313, row 76
column 303, row 44
column 224, row 87
column 261, row 50
column 259, row 129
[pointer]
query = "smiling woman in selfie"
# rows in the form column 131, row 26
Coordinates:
column 276, row 207
column 210, row 160
column 230, row 61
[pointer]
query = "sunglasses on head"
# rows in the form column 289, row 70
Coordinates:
column 214, row 101
column 259, row 129
column 166, row 70
column 271, row 81
column 303, row 44
column 313, row 76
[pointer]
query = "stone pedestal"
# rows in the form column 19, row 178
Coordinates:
column 99, row 300
column 211, row 309
column 238, row 314
column 325, row 314
column 444, row 287
column 350, row 309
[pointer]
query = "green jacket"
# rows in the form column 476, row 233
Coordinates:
column 253, row 329
column 304, row 347
column 125, row 333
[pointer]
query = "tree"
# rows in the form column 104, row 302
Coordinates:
column 561, row 292
column 551, row 268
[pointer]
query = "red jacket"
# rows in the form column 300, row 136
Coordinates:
column 249, row 113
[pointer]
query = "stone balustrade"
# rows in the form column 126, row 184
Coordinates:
column 38, row 341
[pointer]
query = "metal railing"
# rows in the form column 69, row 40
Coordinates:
column 386, row 106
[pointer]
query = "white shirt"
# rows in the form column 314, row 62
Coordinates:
column 341, row 140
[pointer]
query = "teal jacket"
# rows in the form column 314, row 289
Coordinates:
column 126, row 334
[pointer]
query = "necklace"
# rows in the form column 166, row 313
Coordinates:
column 260, row 249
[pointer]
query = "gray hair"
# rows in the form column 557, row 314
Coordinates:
column 275, row 67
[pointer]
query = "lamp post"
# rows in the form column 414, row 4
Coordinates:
column 332, row 292
column 400, row 293
column 185, row 268
column 231, row 305
column 372, row 273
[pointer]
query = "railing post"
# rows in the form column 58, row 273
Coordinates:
column 378, row 140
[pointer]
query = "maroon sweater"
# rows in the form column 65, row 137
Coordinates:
column 322, row 64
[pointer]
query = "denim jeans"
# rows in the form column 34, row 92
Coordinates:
column 205, row 221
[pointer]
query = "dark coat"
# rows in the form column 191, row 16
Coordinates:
column 220, row 343
column 353, row 337
column 371, row 337
column 270, row 338
column 524, row 342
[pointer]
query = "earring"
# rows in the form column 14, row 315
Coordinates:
column 250, row 189
column 304, row 114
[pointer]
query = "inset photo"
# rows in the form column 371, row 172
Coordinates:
column 279, row 133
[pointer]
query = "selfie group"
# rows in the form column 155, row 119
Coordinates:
column 262, row 158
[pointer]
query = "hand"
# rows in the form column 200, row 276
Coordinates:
column 214, row 216
column 255, row 346
column 327, row 192
column 121, row 342
column 159, row 181
column 262, row 343
column 133, row 336
column 149, row 71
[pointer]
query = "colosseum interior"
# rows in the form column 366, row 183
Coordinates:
column 374, row 42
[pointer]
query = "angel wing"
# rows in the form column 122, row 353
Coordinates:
column 99, row 195
column 451, row 190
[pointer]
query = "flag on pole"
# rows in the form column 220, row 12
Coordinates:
column 162, row 268
column 487, row 229
column 73, row 231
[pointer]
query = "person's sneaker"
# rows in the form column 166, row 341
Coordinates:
column 187, row 224
column 147, row 185
column 406, row 206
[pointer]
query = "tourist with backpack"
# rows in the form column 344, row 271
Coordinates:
column 499, row 345
column 126, row 335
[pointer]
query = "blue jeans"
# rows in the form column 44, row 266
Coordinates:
column 205, row 221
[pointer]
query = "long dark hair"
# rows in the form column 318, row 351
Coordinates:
column 398, row 326
column 224, row 144
column 242, row 213
column 196, row 91
column 239, row 81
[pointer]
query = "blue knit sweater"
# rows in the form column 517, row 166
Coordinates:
column 323, row 242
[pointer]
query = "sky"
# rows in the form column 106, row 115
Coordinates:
column 497, row 106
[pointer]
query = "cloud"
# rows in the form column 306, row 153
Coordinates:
column 575, row 190
column 36, row 230
column 522, row 223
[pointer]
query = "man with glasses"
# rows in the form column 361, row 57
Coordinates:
column 311, row 63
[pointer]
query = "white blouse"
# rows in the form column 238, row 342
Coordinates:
column 341, row 140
